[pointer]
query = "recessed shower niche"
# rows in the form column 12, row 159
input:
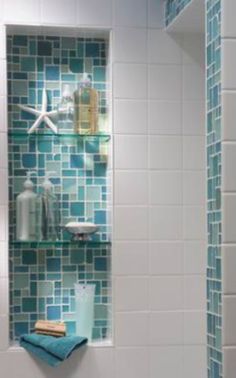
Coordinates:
column 43, row 65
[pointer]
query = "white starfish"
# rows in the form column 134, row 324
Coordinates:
column 43, row 115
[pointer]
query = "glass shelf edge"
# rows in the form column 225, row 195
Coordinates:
column 16, row 134
column 61, row 242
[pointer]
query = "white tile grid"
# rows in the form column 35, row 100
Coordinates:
column 228, row 221
column 229, row 356
column 4, row 336
column 3, row 75
column 228, row 163
column 228, row 266
column 129, row 323
column 3, row 122
column 4, row 264
column 21, row 12
column 228, row 23
column 2, row 42
column 228, row 61
column 4, row 304
column 228, row 116
column 229, row 312
column 129, row 45
column 228, row 188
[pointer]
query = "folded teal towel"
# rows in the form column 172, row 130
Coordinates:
column 52, row 350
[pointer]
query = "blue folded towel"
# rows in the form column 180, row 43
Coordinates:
column 52, row 350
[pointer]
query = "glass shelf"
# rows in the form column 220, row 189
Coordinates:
column 60, row 243
column 23, row 135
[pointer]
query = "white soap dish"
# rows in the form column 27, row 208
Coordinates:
column 81, row 230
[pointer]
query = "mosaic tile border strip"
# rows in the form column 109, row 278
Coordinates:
column 214, row 277
column 173, row 8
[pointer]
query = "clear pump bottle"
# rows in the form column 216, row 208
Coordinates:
column 49, row 211
column 26, row 212
column 85, row 107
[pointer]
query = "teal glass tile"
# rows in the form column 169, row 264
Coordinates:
column 21, row 328
column 53, row 312
column 53, row 265
column 29, row 160
column 28, row 64
column 52, row 73
column 68, row 43
column 20, row 40
column 29, row 304
column 92, row 49
column 45, row 289
column 44, row 48
column 77, row 209
column 76, row 65
column 29, row 257
column 99, row 74
column 100, row 217
column 20, row 87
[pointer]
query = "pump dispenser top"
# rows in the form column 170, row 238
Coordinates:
column 47, row 184
column 86, row 81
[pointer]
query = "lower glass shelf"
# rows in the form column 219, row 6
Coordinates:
column 59, row 243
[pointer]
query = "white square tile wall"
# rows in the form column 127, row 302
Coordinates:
column 88, row 17
column 158, row 116
column 65, row 12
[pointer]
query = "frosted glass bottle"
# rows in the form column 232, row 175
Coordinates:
column 85, row 108
column 26, row 212
column 84, row 300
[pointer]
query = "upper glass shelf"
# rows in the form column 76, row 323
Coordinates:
column 60, row 243
column 22, row 134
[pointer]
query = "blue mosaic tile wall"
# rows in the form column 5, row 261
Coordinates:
column 173, row 8
column 214, row 278
column 42, row 277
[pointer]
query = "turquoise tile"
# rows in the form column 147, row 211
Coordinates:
column 92, row 49
column 29, row 257
column 20, row 88
column 29, row 304
column 29, row 160
column 20, row 40
column 53, row 265
column 68, row 43
column 44, row 48
column 45, row 289
column 77, row 209
column 52, row 73
column 99, row 74
column 28, row 64
column 76, row 65
column 53, row 312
